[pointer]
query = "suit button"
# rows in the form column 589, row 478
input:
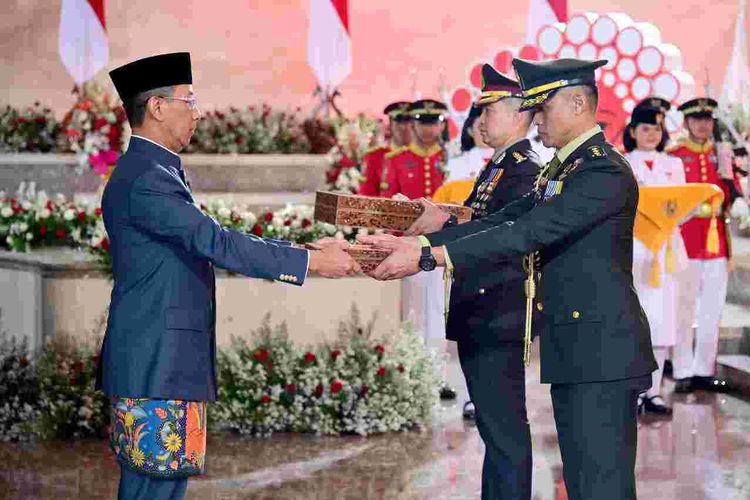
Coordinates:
column 481, row 291
column 539, row 306
column 576, row 315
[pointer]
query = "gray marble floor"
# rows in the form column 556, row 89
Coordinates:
column 702, row 453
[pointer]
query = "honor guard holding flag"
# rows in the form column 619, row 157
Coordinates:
column 704, row 286
column 487, row 305
column 158, row 358
column 577, row 225
column 399, row 125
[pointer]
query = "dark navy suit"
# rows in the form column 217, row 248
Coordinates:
column 160, row 341
column 486, row 318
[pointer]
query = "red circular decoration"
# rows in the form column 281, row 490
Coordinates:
column 503, row 61
column 530, row 53
column 475, row 76
column 461, row 99
column 452, row 128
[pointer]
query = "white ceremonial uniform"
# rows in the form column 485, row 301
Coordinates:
column 468, row 164
column 659, row 303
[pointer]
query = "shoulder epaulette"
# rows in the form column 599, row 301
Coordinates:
column 674, row 147
column 375, row 149
column 395, row 152
column 596, row 153
column 520, row 158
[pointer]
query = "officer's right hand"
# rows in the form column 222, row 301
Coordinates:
column 332, row 262
column 431, row 220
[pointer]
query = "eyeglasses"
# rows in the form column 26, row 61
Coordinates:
column 191, row 101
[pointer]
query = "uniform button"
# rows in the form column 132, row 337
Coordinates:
column 687, row 170
column 481, row 291
column 427, row 182
column 540, row 306
column 703, row 170
column 576, row 315
column 704, row 178
column 428, row 191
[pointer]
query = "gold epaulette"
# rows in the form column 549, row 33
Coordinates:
column 375, row 149
column 520, row 158
column 395, row 152
column 674, row 147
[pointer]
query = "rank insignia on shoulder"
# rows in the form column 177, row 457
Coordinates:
column 519, row 157
column 596, row 152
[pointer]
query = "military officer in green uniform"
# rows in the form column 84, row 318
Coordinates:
column 577, row 225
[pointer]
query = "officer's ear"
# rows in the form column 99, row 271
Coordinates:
column 579, row 102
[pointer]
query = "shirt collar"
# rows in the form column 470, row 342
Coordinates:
column 565, row 151
column 699, row 148
column 165, row 155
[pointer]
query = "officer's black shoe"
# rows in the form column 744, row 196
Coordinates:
column 712, row 384
column 654, row 405
column 447, row 392
column 683, row 385
column 668, row 368
column 469, row 412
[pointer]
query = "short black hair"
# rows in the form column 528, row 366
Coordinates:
column 629, row 143
column 467, row 141
column 135, row 107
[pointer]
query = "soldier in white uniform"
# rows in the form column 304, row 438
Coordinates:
column 645, row 138
column 474, row 153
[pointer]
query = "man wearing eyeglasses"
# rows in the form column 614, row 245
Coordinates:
column 158, row 355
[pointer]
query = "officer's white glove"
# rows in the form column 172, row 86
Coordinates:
column 739, row 209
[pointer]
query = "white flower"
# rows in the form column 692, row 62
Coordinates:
column 69, row 214
column 29, row 236
column 44, row 213
column 6, row 212
column 224, row 212
column 339, row 235
column 249, row 218
column 23, row 227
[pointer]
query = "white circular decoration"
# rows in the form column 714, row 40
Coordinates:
column 587, row 52
column 686, row 84
column 640, row 88
column 650, row 61
column 568, row 51
column 666, row 86
column 550, row 39
column 621, row 90
column 578, row 29
column 608, row 78
column 629, row 41
column 628, row 105
column 626, row 69
column 604, row 30
column 611, row 55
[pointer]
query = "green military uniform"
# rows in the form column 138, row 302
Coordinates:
column 595, row 341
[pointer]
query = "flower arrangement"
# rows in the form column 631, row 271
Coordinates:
column 356, row 385
column 49, row 395
column 94, row 129
column 353, row 139
column 33, row 129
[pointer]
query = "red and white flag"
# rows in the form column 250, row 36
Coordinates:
column 542, row 13
column 329, row 47
column 84, row 49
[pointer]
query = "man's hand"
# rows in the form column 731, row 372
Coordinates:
column 404, row 258
column 332, row 261
column 389, row 242
column 431, row 220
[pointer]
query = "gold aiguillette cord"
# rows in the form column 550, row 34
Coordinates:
column 530, row 288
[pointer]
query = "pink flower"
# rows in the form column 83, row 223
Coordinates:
column 101, row 161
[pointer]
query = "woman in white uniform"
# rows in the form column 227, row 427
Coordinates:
column 644, row 140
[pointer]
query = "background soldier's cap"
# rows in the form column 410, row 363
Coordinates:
column 654, row 102
column 702, row 107
column 496, row 86
column 164, row 70
column 541, row 79
column 740, row 151
column 398, row 111
column 428, row 110
column 648, row 115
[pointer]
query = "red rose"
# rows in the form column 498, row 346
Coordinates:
column 42, row 230
column 239, row 140
column 319, row 390
column 310, row 357
column 98, row 212
column 401, row 368
column 60, row 233
column 381, row 372
column 269, row 366
column 105, row 244
column 50, row 206
column 82, row 216
column 41, row 120
column 261, row 355
column 335, row 354
column 100, row 123
column 291, row 388
column 306, row 223
column 379, row 349
column 257, row 230
column 265, row 399
column 268, row 217
column 364, row 390
column 336, row 386
column 288, row 222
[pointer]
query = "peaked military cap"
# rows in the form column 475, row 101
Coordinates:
column 655, row 102
column 647, row 114
column 740, row 151
column 164, row 70
column 398, row 111
column 541, row 79
column 428, row 110
column 702, row 107
column 496, row 86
